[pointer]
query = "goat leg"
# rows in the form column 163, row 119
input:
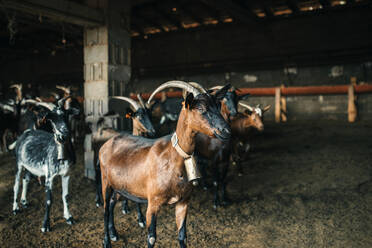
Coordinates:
column 48, row 203
column 66, row 212
column 98, row 185
column 107, row 192
column 111, row 225
column 124, row 207
column 16, row 189
column 216, row 187
column 141, row 218
column 25, row 181
column 181, row 213
column 151, row 225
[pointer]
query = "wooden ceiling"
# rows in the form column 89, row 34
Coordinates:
column 166, row 16
column 32, row 34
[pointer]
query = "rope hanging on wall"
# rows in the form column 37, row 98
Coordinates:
column 12, row 24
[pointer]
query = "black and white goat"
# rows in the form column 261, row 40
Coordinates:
column 48, row 154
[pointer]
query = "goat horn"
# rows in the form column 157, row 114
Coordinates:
column 38, row 99
column 132, row 102
column 179, row 84
column 18, row 86
column 47, row 105
column 65, row 89
column 246, row 106
column 217, row 87
column 6, row 107
column 62, row 101
column 141, row 101
column 55, row 95
column 198, row 86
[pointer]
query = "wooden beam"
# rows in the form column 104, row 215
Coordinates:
column 211, row 12
column 187, row 12
column 293, row 6
column 325, row 3
column 242, row 14
column 268, row 11
column 277, row 104
column 169, row 18
column 148, row 22
column 60, row 10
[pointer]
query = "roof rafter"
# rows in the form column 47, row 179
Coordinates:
column 242, row 14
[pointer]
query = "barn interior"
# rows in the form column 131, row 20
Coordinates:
column 306, row 180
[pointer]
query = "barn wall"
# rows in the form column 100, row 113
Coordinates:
column 45, row 71
column 331, row 107
column 339, row 37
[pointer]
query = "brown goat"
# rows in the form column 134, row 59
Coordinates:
column 158, row 171
column 217, row 154
column 242, row 128
column 141, row 126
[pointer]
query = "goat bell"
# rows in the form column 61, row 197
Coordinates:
column 192, row 171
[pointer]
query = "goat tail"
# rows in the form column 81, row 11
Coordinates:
column 12, row 146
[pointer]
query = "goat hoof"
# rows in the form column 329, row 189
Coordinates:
column 215, row 206
column 240, row 174
column 15, row 212
column 141, row 224
column 125, row 211
column 24, row 205
column 106, row 244
column 114, row 236
column 99, row 204
column 45, row 228
column 70, row 221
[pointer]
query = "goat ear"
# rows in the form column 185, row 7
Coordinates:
column 266, row 108
column 129, row 113
column 189, row 100
column 247, row 112
column 242, row 97
column 220, row 94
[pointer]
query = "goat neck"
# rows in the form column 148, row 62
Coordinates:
column 185, row 134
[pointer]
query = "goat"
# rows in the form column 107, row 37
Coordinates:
column 46, row 154
column 10, row 116
column 159, row 171
column 218, row 153
column 142, row 126
column 215, row 152
column 73, row 121
column 242, row 126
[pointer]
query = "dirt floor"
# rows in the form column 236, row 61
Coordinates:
column 305, row 185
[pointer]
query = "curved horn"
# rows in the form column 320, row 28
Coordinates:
column 65, row 89
column 47, row 105
column 18, row 86
column 38, row 99
column 6, row 107
column 178, row 84
column 246, row 106
column 141, row 101
column 55, row 95
column 62, row 101
column 132, row 102
column 198, row 86
column 217, row 87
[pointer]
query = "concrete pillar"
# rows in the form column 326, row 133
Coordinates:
column 106, row 64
